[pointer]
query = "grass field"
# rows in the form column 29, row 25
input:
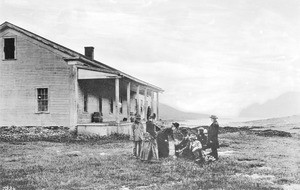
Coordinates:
column 246, row 161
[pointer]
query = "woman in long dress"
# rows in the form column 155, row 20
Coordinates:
column 163, row 142
column 149, row 146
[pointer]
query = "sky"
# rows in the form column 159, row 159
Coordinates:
column 209, row 56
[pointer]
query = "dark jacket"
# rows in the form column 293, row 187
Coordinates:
column 150, row 128
column 203, row 139
column 163, row 142
column 212, row 138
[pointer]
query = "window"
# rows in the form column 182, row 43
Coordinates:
column 100, row 104
column 121, row 106
column 42, row 98
column 9, row 48
column 85, row 102
column 111, row 105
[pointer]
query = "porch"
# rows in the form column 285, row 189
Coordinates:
column 116, row 97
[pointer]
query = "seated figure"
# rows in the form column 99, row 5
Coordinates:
column 196, row 148
column 202, row 137
column 183, row 148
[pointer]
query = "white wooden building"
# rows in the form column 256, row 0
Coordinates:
column 43, row 83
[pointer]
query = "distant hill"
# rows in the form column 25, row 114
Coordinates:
column 293, row 120
column 285, row 105
column 170, row 113
column 289, row 124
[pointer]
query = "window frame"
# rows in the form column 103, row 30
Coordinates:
column 3, row 45
column 36, row 100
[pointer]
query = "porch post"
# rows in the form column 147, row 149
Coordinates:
column 117, row 100
column 128, row 102
column 138, row 99
column 74, row 88
column 145, row 103
column 157, row 106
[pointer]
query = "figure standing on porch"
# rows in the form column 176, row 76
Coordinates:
column 212, row 139
column 148, row 112
column 137, row 135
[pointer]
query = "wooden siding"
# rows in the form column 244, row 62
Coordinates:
column 36, row 66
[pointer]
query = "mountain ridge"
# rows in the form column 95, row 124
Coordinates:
column 284, row 105
column 169, row 113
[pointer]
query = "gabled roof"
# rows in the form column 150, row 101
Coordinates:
column 91, row 64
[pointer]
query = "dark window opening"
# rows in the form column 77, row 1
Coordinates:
column 42, row 98
column 9, row 48
column 85, row 102
column 111, row 105
column 100, row 104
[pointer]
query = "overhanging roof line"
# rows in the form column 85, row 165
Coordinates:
column 75, row 55
column 143, row 83
column 91, row 74
column 97, row 69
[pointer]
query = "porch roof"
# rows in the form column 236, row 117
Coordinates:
column 85, row 72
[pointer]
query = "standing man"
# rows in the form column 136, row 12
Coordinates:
column 212, row 139
column 137, row 135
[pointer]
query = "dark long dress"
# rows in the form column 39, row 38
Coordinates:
column 149, row 146
column 163, row 142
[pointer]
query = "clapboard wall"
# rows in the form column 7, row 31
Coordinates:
column 36, row 66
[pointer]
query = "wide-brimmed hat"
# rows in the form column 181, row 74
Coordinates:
column 200, row 129
column 153, row 116
column 213, row 117
column 176, row 125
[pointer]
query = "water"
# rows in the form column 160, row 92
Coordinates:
column 222, row 122
column 287, row 124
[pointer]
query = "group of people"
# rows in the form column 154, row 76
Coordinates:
column 152, row 143
column 192, row 145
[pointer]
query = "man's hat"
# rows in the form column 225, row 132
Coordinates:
column 153, row 116
column 176, row 124
column 213, row 117
column 200, row 129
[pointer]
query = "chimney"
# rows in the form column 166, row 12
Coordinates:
column 89, row 52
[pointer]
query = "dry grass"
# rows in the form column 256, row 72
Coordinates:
column 258, row 163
